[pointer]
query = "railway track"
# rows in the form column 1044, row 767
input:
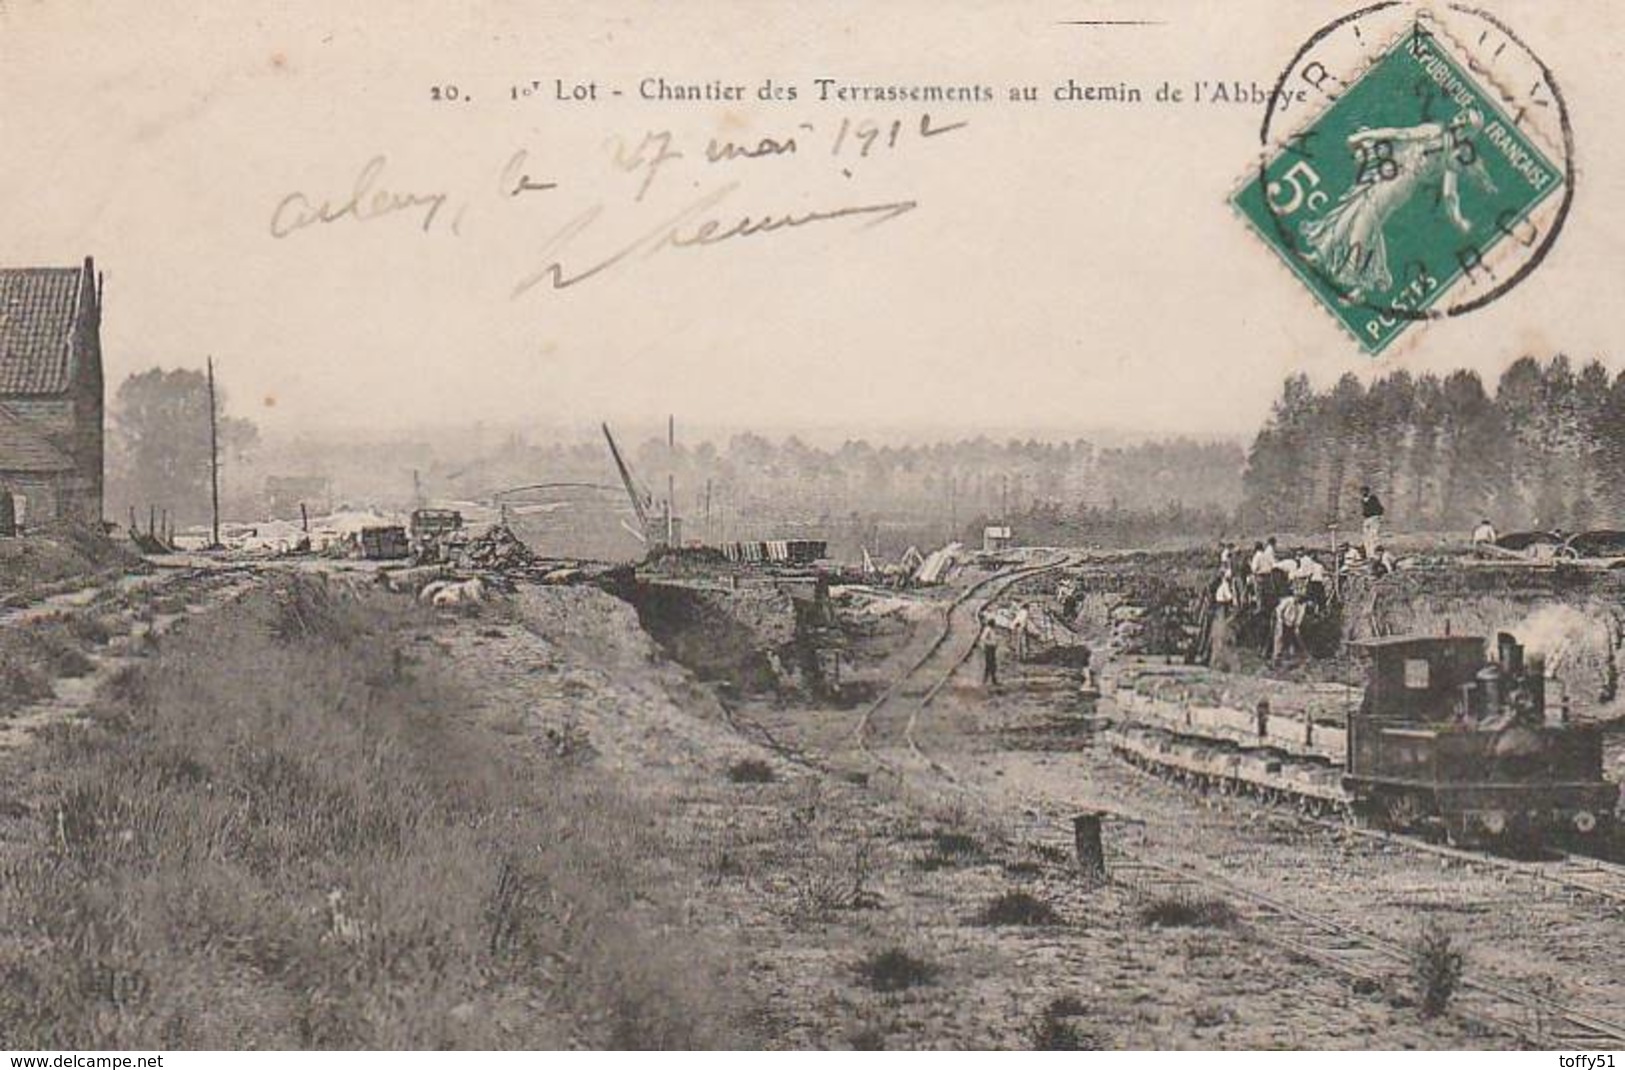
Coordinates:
column 945, row 655
column 1363, row 956
column 1351, row 952
column 1573, row 872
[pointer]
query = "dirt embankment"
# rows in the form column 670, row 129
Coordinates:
column 295, row 825
column 59, row 559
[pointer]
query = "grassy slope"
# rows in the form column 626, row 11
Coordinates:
column 330, row 857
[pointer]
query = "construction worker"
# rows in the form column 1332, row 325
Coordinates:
column 1220, row 649
column 1313, row 574
column 1371, row 520
column 1018, row 630
column 1484, row 534
column 989, row 642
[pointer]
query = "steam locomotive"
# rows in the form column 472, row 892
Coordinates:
column 1447, row 735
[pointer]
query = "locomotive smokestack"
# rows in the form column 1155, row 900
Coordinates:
column 1510, row 654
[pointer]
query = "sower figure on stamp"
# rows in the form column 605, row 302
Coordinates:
column 1371, row 520
column 1395, row 164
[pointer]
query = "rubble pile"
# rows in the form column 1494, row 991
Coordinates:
column 499, row 549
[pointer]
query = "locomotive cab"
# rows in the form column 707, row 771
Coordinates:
column 1450, row 734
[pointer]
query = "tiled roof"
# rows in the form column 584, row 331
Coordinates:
column 36, row 328
column 23, row 450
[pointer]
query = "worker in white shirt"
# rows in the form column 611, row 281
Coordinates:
column 1263, row 557
column 1484, row 534
column 1018, row 629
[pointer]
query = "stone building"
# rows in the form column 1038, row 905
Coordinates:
column 51, row 402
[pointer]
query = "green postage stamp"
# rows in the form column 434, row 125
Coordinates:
column 1414, row 193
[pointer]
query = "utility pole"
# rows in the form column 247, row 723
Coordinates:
column 671, row 477
column 214, row 462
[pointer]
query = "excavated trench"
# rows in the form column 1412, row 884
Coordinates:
column 749, row 636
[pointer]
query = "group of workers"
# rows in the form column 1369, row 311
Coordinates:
column 1283, row 590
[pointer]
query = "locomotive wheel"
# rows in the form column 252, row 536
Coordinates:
column 1457, row 835
column 1403, row 812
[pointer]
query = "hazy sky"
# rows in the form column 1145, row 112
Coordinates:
column 1067, row 266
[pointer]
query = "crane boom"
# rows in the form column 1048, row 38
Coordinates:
column 626, row 478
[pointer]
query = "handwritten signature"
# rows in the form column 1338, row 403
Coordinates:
column 687, row 230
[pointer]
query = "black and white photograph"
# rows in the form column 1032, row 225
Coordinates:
column 1050, row 525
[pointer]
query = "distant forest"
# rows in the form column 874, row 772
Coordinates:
column 886, row 498
column 1546, row 449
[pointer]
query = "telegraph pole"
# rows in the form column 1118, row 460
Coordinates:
column 671, row 477
column 214, row 461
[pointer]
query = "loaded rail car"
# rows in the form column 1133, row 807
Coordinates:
column 1445, row 734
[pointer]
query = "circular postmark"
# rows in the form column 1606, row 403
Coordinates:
column 1416, row 162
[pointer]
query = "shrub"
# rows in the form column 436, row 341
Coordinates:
column 1018, row 908
column 1189, row 911
column 1057, row 1031
column 894, row 970
column 952, row 848
column 56, row 650
column 751, row 771
column 1436, row 967
column 21, row 684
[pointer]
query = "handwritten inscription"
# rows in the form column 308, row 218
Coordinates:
column 587, row 245
column 367, row 200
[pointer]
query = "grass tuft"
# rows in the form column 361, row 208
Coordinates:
column 1057, row 1029
column 950, row 848
column 1184, row 910
column 894, row 970
column 751, row 771
column 1437, row 964
column 1018, row 908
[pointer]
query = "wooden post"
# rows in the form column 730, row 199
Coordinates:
column 1263, row 713
column 1091, row 854
column 152, row 520
column 214, row 461
column 304, row 519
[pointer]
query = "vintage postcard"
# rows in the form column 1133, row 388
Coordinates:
column 1059, row 524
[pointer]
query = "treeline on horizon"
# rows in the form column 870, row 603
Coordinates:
column 754, row 485
column 1543, row 445
column 1545, row 448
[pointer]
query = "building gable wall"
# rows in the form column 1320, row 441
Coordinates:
column 71, row 421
